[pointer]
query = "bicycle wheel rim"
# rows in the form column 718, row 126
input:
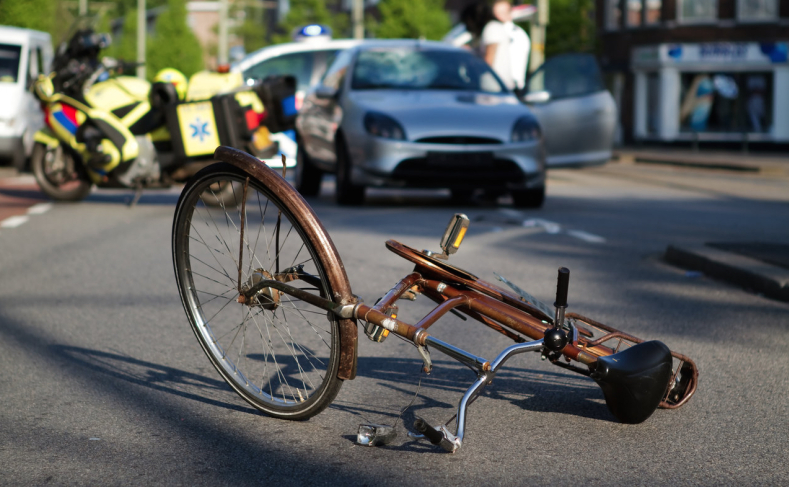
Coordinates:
column 280, row 354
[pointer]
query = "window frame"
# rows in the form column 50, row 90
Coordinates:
column 696, row 21
column 610, row 24
column 758, row 20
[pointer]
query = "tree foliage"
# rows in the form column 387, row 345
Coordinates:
column 571, row 27
column 252, row 31
column 173, row 44
column 412, row 19
column 304, row 12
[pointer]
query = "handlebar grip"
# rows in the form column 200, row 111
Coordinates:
column 562, row 285
column 430, row 433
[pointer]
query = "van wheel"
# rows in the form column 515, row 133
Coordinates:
column 58, row 174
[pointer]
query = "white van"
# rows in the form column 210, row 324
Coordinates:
column 24, row 54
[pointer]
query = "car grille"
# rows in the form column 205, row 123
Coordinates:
column 459, row 140
column 468, row 171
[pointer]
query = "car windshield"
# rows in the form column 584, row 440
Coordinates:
column 423, row 69
column 9, row 62
column 298, row 64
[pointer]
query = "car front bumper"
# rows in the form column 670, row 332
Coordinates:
column 384, row 162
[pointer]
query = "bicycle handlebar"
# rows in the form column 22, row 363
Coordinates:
column 430, row 433
column 562, row 285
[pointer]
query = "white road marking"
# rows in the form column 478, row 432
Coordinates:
column 549, row 227
column 39, row 209
column 13, row 221
column 511, row 213
column 585, row 236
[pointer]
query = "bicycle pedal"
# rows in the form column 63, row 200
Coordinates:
column 375, row 434
column 375, row 333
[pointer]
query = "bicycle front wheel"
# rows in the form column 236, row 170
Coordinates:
column 279, row 353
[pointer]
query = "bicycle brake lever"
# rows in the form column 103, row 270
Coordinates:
column 428, row 364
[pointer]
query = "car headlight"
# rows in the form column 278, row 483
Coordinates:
column 526, row 129
column 383, row 126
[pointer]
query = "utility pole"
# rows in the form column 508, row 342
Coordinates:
column 537, row 34
column 358, row 19
column 222, row 51
column 142, row 28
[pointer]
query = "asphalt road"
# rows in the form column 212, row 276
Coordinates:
column 103, row 382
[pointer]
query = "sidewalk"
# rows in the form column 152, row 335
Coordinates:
column 764, row 163
column 756, row 266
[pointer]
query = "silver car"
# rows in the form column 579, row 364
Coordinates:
column 417, row 114
column 576, row 112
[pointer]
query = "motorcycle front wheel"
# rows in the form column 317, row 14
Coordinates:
column 57, row 174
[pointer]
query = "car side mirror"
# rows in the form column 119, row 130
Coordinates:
column 537, row 97
column 324, row 92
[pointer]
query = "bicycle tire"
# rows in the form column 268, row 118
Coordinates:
column 278, row 353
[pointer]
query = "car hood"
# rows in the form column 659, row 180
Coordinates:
column 434, row 113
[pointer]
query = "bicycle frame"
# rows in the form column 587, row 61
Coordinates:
column 456, row 290
column 588, row 343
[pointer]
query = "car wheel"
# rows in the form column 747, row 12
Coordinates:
column 308, row 177
column 347, row 192
column 529, row 198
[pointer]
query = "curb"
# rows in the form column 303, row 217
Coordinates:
column 736, row 269
column 726, row 162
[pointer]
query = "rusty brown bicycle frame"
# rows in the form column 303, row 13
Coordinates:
column 499, row 316
column 451, row 288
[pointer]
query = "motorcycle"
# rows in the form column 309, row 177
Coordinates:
column 111, row 130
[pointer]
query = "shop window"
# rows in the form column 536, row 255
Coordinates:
column 690, row 11
column 726, row 102
column 633, row 13
column 757, row 10
column 613, row 16
column 653, row 11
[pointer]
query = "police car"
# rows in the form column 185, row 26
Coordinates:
column 306, row 58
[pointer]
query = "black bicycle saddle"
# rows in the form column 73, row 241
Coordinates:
column 634, row 380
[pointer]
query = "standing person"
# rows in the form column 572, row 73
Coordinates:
column 520, row 45
column 492, row 37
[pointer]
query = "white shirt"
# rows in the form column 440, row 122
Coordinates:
column 496, row 33
column 520, row 45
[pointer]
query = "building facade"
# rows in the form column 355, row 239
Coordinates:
column 698, row 70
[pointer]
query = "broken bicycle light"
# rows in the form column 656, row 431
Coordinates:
column 375, row 434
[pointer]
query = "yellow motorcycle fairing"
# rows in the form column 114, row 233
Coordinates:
column 118, row 92
column 126, row 97
column 64, row 116
column 46, row 137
